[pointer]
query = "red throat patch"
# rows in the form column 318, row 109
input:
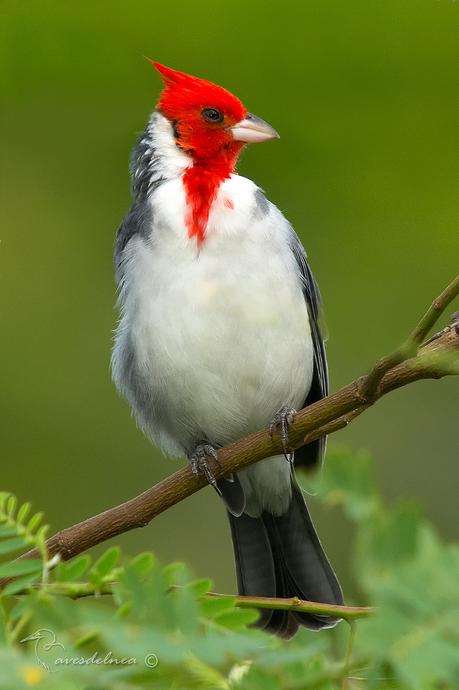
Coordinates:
column 201, row 188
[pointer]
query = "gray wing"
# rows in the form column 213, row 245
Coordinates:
column 313, row 452
column 136, row 223
column 145, row 178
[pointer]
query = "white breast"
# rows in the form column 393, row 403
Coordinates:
column 220, row 334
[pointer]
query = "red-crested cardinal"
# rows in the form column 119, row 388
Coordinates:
column 219, row 331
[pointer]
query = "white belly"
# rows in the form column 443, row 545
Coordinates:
column 220, row 336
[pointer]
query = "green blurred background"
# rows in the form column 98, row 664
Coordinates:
column 365, row 96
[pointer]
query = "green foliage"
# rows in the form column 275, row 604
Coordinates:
column 407, row 573
column 16, row 534
column 129, row 623
column 16, row 531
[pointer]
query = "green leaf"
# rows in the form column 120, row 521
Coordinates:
column 41, row 534
column 185, row 609
column 124, row 609
column 200, row 587
column 34, row 521
column 10, row 545
column 143, row 562
column 8, row 531
column 237, row 618
column 4, row 495
column 20, row 583
column 105, row 564
column 85, row 639
column 176, row 573
column 11, row 504
column 16, row 568
column 22, row 513
column 213, row 606
column 73, row 570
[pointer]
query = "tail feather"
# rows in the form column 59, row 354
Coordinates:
column 255, row 565
column 281, row 556
column 232, row 493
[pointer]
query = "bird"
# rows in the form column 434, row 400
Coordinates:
column 220, row 334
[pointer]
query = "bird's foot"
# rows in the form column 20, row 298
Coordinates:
column 199, row 460
column 282, row 423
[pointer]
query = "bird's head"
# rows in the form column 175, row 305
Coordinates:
column 209, row 123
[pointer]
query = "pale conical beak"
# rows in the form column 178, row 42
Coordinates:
column 253, row 129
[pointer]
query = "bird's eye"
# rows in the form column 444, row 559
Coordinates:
column 212, row 115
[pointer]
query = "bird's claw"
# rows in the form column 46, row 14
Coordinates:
column 282, row 423
column 199, row 460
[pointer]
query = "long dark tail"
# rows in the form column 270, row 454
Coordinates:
column 283, row 557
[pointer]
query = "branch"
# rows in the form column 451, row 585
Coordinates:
column 79, row 590
column 412, row 344
column 349, row 613
column 411, row 362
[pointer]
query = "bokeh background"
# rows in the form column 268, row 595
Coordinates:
column 365, row 97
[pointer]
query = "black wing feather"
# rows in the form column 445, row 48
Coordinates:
column 313, row 452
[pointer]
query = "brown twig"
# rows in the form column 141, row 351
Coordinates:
column 412, row 344
column 435, row 359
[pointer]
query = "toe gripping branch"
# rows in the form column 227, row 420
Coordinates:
column 281, row 423
column 199, row 460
